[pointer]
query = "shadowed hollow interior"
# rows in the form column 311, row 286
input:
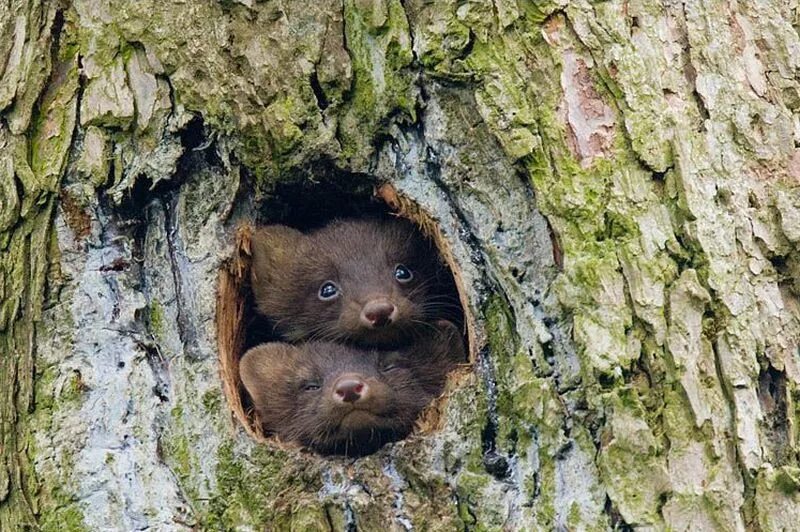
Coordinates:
column 307, row 206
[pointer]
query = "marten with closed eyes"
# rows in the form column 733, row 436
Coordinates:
column 339, row 399
column 370, row 282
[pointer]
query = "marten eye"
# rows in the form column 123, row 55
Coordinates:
column 328, row 291
column 391, row 365
column 402, row 274
column 311, row 386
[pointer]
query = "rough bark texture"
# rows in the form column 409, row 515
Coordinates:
column 618, row 182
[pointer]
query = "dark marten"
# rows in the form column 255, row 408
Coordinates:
column 368, row 282
column 339, row 399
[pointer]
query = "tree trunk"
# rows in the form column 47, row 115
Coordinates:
column 616, row 183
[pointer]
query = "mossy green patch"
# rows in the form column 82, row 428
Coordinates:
column 57, row 395
column 178, row 454
column 231, row 503
column 787, row 480
column 64, row 519
column 284, row 118
column 212, row 400
column 156, row 318
column 630, row 461
column 45, row 390
column 525, row 402
column 74, row 388
column 469, row 494
column 58, row 509
column 382, row 82
column 251, row 490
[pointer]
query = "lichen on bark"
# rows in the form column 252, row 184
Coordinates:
column 616, row 183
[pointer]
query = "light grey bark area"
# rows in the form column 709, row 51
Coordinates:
column 616, row 182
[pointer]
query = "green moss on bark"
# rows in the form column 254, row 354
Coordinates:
column 379, row 45
column 259, row 489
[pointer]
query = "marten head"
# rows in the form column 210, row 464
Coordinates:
column 339, row 399
column 368, row 282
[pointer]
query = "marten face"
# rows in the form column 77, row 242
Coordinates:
column 367, row 282
column 339, row 399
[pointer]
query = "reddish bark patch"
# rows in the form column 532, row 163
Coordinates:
column 117, row 265
column 591, row 121
column 787, row 170
column 793, row 168
column 552, row 29
column 76, row 218
column 558, row 254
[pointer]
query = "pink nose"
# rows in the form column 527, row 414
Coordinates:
column 378, row 313
column 350, row 389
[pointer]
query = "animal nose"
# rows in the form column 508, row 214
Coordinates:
column 378, row 313
column 350, row 389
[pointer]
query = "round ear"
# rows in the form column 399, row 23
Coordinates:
column 274, row 248
column 257, row 366
column 449, row 336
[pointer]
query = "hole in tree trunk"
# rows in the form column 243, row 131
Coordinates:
column 306, row 205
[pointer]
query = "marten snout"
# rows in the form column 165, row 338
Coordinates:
column 378, row 313
column 350, row 388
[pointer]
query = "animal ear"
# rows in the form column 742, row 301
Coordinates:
column 274, row 248
column 450, row 337
column 257, row 368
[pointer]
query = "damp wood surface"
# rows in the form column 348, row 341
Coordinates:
column 617, row 183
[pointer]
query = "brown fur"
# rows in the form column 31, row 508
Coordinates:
column 276, row 375
column 360, row 257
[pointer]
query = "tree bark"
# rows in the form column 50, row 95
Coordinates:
column 617, row 183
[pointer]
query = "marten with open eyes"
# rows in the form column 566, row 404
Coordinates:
column 339, row 399
column 370, row 282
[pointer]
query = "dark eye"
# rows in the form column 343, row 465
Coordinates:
column 402, row 274
column 328, row 291
column 310, row 386
column 391, row 365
